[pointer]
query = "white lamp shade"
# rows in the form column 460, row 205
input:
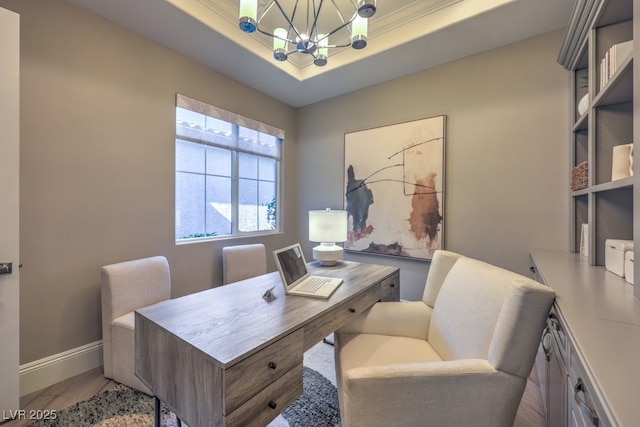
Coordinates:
column 280, row 39
column 328, row 226
column 359, row 27
column 323, row 43
column 249, row 9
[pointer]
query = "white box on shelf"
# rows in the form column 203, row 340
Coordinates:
column 614, row 255
column 628, row 266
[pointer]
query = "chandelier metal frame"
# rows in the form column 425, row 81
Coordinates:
column 310, row 40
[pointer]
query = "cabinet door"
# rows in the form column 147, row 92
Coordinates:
column 542, row 369
column 581, row 405
column 557, row 388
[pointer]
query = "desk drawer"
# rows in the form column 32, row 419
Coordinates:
column 268, row 403
column 254, row 373
column 328, row 322
column 390, row 288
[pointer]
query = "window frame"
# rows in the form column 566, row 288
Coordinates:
column 237, row 122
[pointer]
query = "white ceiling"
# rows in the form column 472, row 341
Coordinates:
column 405, row 36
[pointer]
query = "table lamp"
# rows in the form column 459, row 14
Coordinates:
column 327, row 227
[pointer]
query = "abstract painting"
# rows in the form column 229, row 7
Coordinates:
column 394, row 188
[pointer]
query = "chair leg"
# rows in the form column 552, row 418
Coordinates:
column 157, row 410
column 157, row 407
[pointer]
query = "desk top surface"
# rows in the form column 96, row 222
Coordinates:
column 602, row 317
column 231, row 321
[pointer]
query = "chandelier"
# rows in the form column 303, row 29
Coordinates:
column 299, row 32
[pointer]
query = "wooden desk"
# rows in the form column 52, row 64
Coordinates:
column 227, row 357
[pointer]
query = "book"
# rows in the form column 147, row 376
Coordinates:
column 613, row 59
column 619, row 53
column 584, row 240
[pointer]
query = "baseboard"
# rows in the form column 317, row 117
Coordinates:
column 42, row 373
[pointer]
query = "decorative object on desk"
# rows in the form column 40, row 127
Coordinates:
column 584, row 240
column 269, row 295
column 401, row 167
column 347, row 25
column 580, row 176
column 622, row 163
column 123, row 406
column 328, row 227
column 614, row 254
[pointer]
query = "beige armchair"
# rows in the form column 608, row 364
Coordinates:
column 459, row 357
column 243, row 262
column 125, row 287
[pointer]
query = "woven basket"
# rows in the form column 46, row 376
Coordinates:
column 580, row 176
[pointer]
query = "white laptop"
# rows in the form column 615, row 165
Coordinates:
column 295, row 277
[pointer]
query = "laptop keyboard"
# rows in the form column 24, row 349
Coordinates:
column 312, row 284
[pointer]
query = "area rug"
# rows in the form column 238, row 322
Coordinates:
column 124, row 407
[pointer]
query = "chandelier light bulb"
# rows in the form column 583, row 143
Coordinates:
column 323, row 50
column 280, row 44
column 359, row 33
column 248, row 15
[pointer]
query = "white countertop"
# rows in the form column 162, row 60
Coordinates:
column 602, row 318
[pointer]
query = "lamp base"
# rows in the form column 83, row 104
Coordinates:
column 328, row 254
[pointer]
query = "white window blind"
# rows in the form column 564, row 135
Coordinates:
column 197, row 121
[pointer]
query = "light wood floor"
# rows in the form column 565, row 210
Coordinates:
column 83, row 386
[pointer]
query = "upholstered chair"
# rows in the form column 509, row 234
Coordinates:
column 125, row 287
column 459, row 357
column 243, row 262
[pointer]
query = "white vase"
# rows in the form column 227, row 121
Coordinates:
column 622, row 164
column 583, row 105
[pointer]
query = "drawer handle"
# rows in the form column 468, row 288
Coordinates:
column 273, row 365
column 554, row 322
column 352, row 310
column 393, row 285
column 579, row 387
column 272, row 404
column 546, row 347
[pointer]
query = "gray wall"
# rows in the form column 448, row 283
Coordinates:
column 506, row 154
column 97, row 160
column 97, row 166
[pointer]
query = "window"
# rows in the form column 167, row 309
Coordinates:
column 227, row 173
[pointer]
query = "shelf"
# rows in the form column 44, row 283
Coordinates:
column 611, row 120
column 606, row 186
column 582, row 123
column 615, row 11
column 581, row 192
column 613, row 185
column 619, row 89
